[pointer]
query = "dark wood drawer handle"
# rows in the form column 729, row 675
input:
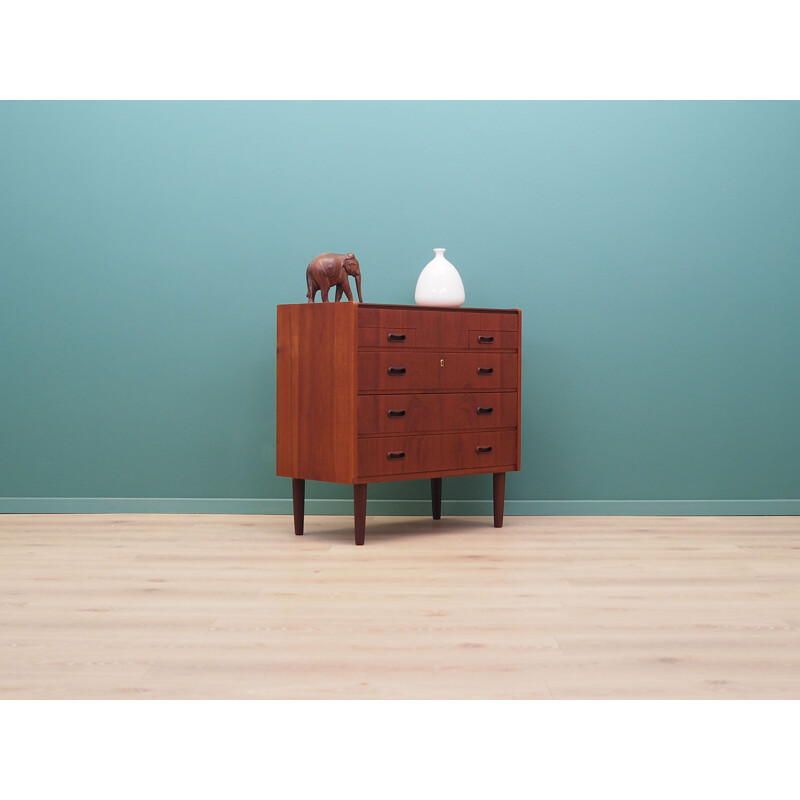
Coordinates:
column 396, row 337
column 485, row 370
column 396, row 454
column 483, row 449
column 485, row 339
column 397, row 412
column 397, row 370
column 485, row 409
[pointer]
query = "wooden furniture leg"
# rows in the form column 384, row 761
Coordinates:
column 436, row 497
column 298, row 503
column 499, row 486
column 360, row 510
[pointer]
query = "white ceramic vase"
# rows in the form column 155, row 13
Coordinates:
column 439, row 283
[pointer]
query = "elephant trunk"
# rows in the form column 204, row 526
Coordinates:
column 358, row 287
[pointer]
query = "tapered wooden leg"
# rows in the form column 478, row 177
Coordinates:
column 436, row 497
column 360, row 510
column 298, row 504
column 499, row 486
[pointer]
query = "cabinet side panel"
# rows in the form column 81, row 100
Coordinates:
column 285, row 403
column 519, row 389
column 316, row 391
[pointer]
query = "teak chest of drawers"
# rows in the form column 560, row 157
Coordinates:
column 369, row 393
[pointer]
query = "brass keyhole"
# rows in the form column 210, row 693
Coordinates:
column 441, row 363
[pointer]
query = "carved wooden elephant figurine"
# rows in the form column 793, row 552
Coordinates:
column 333, row 269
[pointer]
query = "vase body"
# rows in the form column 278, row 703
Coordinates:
column 439, row 283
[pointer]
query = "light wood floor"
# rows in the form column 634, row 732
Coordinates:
column 204, row 606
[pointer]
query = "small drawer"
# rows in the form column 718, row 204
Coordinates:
column 418, row 371
column 392, row 338
column 399, row 455
column 492, row 340
column 427, row 413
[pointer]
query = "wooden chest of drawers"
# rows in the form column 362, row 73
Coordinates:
column 370, row 393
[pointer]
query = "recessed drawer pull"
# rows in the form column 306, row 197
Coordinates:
column 483, row 449
column 397, row 370
column 399, row 454
column 485, row 339
column 485, row 370
column 396, row 337
column 485, row 409
column 397, row 412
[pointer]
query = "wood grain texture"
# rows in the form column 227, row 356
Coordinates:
column 477, row 451
column 316, row 391
column 425, row 372
column 193, row 606
column 330, row 386
column 488, row 339
column 449, row 329
column 337, row 364
column 394, row 337
column 426, row 413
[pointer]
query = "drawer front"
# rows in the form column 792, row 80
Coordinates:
column 415, row 371
column 399, row 455
column 436, row 328
column 390, row 337
column 422, row 413
column 482, row 339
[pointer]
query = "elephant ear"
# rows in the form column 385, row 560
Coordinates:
column 348, row 256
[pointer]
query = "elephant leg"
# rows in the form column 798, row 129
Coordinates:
column 324, row 288
column 346, row 287
column 338, row 292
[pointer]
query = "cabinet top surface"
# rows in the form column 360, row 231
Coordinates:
column 405, row 308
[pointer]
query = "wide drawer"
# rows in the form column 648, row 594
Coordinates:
column 442, row 328
column 421, row 413
column 441, row 452
column 413, row 371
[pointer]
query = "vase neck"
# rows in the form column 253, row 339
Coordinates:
column 439, row 251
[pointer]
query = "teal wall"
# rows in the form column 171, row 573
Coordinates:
column 653, row 247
